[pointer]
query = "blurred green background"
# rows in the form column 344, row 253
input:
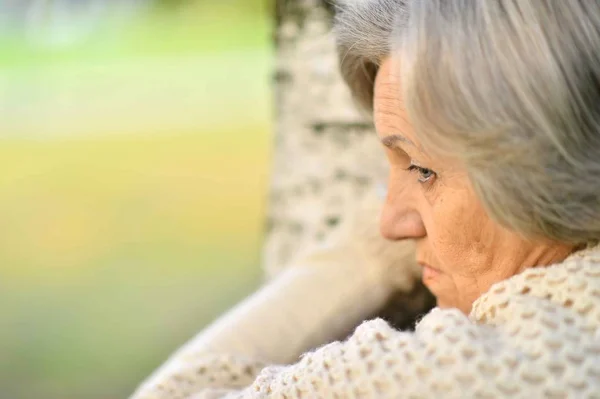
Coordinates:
column 135, row 146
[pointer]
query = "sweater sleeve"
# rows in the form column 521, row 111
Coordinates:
column 440, row 359
column 446, row 357
column 535, row 335
column 319, row 298
column 305, row 306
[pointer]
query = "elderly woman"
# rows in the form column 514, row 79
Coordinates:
column 489, row 115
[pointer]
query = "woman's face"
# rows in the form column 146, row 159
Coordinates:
column 461, row 249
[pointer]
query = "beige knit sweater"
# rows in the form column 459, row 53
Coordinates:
column 535, row 335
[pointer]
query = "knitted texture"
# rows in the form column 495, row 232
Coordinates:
column 533, row 335
column 205, row 376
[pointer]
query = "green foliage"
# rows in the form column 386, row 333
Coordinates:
column 118, row 246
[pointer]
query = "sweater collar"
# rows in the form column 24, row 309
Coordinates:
column 548, row 283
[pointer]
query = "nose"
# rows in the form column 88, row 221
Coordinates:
column 399, row 218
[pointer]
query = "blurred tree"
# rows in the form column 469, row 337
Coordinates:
column 318, row 134
column 326, row 153
column 60, row 23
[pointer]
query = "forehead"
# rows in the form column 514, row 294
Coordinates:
column 389, row 111
column 387, row 81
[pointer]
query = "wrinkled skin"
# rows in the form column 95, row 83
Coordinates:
column 431, row 200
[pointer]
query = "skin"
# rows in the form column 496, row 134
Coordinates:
column 431, row 200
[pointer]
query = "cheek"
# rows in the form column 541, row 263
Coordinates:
column 454, row 231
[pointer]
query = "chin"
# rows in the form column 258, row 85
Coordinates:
column 450, row 304
column 440, row 303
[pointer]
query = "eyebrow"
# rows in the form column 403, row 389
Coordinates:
column 392, row 139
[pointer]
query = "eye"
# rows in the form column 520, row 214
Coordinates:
column 424, row 174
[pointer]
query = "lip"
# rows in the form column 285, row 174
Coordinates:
column 427, row 265
column 429, row 272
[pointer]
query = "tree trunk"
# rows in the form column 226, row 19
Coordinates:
column 326, row 152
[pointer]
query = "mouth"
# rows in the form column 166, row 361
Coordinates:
column 429, row 272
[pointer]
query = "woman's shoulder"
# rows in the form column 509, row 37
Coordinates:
column 533, row 332
column 572, row 286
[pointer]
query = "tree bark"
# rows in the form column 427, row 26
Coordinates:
column 326, row 152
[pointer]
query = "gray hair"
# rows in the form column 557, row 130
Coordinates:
column 511, row 88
